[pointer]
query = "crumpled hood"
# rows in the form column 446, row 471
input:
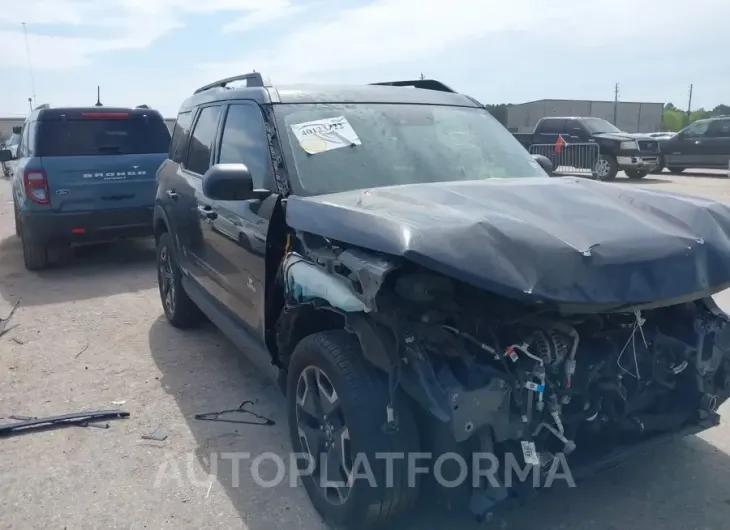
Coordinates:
column 564, row 241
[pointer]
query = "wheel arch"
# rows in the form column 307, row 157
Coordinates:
column 160, row 222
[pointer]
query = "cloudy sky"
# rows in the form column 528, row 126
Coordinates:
column 158, row 51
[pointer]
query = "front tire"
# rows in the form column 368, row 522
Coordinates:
column 606, row 167
column 337, row 405
column 635, row 174
column 180, row 310
column 659, row 166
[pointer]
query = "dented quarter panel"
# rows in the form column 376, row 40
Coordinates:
column 562, row 241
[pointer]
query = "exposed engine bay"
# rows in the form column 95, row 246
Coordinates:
column 571, row 377
column 502, row 373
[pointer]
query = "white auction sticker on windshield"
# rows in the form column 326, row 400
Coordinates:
column 325, row 135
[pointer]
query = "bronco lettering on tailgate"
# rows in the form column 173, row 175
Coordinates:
column 114, row 175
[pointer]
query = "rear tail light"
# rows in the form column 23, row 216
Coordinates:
column 36, row 186
column 105, row 115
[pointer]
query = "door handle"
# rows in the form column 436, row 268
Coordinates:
column 171, row 195
column 206, row 212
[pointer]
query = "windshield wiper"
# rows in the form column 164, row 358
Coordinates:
column 77, row 418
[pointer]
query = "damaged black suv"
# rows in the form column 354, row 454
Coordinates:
column 418, row 284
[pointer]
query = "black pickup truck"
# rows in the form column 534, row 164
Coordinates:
column 705, row 144
column 616, row 150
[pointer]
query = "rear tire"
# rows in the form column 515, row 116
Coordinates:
column 180, row 310
column 634, row 174
column 17, row 219
column 35, row 254
column 606, row 167
column 675, row 169
column 336, row 398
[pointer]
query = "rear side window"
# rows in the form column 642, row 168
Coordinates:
column 102, row 136
column 719, row 129
column 201, row 142
column 552, row 126
column 180, row 135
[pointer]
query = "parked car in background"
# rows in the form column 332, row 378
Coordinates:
column 704, row 144
column 85, row 175
column 618, row 150
column 11, row 144
column 418, row 284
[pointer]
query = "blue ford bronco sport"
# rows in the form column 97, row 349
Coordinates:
column 417, row 283
column 85, row 175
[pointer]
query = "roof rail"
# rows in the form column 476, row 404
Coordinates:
column 428, row 84
column 142, row 107
column 44, row 106
column 253, row 79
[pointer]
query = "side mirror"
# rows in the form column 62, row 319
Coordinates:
column 229, row 182
column 6, row 155
column 545, row 163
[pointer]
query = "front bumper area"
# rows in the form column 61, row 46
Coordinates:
column 88, row 227
column 639, row 162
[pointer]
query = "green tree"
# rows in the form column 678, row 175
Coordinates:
column 499, row 112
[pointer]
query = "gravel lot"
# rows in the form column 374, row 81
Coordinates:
column 92, row 333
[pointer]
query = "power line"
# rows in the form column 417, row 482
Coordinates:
column 30, row 65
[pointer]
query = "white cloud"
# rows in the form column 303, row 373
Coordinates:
column 390, row 31
column 96, row 26
column 273, row 11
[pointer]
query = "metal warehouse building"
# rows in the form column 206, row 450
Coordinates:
column 631, row 116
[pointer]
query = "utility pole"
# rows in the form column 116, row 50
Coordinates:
column 689, row 106
column 422, row 77
column 615, row 105
column 30, row 65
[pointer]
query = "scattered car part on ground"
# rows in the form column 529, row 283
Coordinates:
column 404, row 268
column 85, row 175
column 76, row 418
column 704, row 144
column 4, row 321
column 615, row 150
column 158, row 435
column 229, row 415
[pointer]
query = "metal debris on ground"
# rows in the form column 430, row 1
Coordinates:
column 158, row 435
column 216, row 416
column 4, row 321
column 77, row 418
column 82, row 351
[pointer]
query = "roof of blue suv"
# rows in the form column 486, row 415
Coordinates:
column 329, row 94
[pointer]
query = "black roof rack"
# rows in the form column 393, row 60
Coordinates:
column 253, row 79
column 428, row 84
column 44, row 106
column 142, row 107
